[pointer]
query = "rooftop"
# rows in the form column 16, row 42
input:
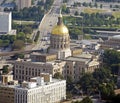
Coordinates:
column 117, row 32
column 33, row 85
column 84, row 55
column 116, row 37
column 41, row 54
column 77, row 59
column 5, row 13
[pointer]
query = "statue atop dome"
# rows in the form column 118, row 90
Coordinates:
column 60, row 29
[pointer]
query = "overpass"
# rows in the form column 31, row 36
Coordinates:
column 15, row 52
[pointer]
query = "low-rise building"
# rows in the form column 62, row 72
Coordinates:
column 6, row 78
column 76, row 66
column 7, row 94
column 24, row 70
column 38, row 57
column 113, row 43
column 105, row 34
column 42, row 89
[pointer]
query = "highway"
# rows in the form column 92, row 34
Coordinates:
column 48, row 22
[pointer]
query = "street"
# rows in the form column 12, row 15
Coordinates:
column 48, row 22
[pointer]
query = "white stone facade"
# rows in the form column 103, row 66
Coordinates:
column 48, row 93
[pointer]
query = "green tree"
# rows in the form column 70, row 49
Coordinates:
column 111, row 57
column 96, row 5
column 102, row 74
column 58, row 75
column 107, row 90
column 64, row 8
column 19, row 55
column 88, row 82
column 37, row 36
column 21, row 36
column 65, row 1
column 115, row 68
column 27, row 30
column 5, row 42
column 69, row 79
column 5, row 69
column 18, row 44
column 86, row 100
column 90, row 4
column 0, row 43
column 12, row 38
column 76, row 13
column 68, row 95
column 101, row 5
column 85, row 4
column 67, row 10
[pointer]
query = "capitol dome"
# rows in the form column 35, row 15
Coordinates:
column 60, row 40
column 60, row 29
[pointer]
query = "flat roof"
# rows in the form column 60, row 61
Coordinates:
column 77, row 59
column 5, row 13
column 37, row 86
column 84, row 55
column 41, row 54
column 117, row 32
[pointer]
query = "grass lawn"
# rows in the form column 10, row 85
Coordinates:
column 23, row 22
column 91, row 10
column 116, row 14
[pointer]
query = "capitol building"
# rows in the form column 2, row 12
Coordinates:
column 61, row 58
column 32, row 80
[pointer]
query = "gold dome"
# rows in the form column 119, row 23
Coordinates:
column 60, row 30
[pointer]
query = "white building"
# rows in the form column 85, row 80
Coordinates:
column 113, row 43
column 42, row 89
column 5, row 22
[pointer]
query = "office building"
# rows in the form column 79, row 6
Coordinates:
column 5, row 22
column 42, row 89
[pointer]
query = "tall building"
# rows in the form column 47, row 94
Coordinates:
column 5, row 22
column 23, row 3
column 42, row 89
